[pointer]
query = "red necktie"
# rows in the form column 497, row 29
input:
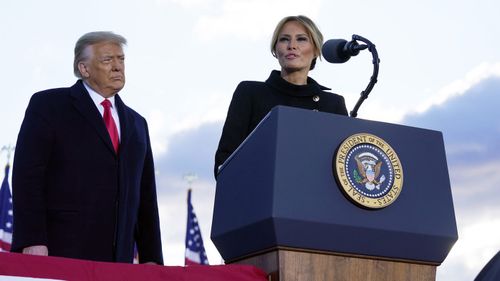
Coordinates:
column 110, row 124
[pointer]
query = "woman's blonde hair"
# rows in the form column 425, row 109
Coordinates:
column 312, row 31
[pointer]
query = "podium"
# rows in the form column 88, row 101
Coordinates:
column 281, row 205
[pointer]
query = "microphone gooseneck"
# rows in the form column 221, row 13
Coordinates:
column 340, row 51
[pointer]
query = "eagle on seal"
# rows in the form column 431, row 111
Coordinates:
column 369, row 173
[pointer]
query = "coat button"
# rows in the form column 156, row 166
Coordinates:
column 316, row 98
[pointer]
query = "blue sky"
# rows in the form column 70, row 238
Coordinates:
column 439, row 69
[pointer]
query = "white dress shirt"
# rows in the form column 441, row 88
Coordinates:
column 98, row 99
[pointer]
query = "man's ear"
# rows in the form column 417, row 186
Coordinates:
column 83, row 70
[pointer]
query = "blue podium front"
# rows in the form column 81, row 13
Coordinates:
column 279, row 189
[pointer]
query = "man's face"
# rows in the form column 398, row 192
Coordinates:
column 104, row 70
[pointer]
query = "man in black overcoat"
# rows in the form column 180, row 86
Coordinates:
column 84, row 187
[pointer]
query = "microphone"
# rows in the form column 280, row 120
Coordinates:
column 340, row 51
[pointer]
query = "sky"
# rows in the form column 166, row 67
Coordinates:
column 439, row 69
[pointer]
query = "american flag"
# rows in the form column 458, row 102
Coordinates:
column 6, row 218
column 195, row 251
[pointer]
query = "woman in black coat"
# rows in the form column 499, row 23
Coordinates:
column 296, row 43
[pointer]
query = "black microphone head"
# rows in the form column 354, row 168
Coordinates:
column 333, row 51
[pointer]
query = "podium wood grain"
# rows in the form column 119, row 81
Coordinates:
column 292, row 265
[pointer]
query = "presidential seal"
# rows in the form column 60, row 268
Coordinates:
column 368, row 171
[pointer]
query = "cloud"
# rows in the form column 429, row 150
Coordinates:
column 461, row 86
column 189, row 115
column 251, row 19
column 187, row 4
column 468, row 121
column 475, row 186
column 190, row 151
column 465, row 112
column 477, row 244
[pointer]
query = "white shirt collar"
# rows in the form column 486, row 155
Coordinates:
column 98, row 98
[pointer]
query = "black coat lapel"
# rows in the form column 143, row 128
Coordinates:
column 126, row 122
column 85, row 105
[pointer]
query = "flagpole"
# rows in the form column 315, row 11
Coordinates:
column 195, row 250
column 190, row 178
column 9, row 149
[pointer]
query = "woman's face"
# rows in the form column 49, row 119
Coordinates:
column 294, row 48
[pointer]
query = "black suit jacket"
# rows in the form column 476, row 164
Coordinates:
column 72, row 192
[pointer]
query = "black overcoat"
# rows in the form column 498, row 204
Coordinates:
column 72, row 192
